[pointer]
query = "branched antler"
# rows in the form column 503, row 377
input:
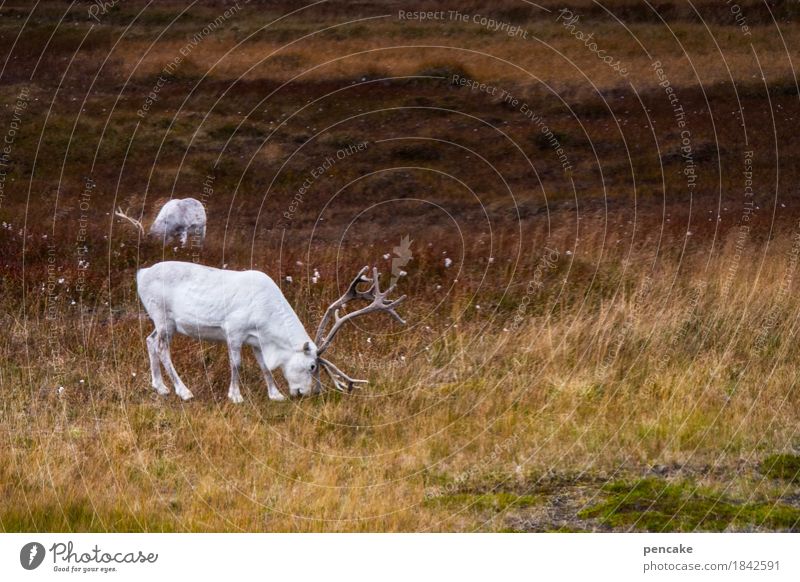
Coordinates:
column 373, row 294
column 351, row 293
column 341, row 381
column 378, row 302
column 133, row 221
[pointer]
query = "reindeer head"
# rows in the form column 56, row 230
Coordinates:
column 302, row 370
column 377, row 302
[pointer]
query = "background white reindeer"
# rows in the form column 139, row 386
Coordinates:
column 179, row 219
column 247, row 308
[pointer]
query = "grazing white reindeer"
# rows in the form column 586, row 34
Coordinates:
column 247, row 308
column 179, row 218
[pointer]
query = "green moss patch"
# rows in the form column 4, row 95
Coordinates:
column 784, row 466
column 656, row 505
column 79, row 516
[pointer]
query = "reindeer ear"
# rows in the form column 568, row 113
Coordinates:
column 307, row 347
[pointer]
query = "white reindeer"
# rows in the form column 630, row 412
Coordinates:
column 247, row 308
column 179, row 218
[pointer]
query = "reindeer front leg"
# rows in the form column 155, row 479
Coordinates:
column 272, row 386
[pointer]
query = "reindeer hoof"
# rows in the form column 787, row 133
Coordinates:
column 186, row 394
column 277, row 397
column 236, row 398
column 162, row 390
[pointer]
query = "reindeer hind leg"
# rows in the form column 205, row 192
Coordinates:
column 155, row 364
column 235, row 354
column 181, row 390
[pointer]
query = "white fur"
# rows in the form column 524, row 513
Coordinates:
column 180, row 218
column 236, row 307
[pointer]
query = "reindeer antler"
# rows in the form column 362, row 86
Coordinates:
column 351, row 293
column 379, row 302
column 133, row 221
column 341, row 381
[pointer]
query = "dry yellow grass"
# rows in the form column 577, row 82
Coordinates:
column 642, row 373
